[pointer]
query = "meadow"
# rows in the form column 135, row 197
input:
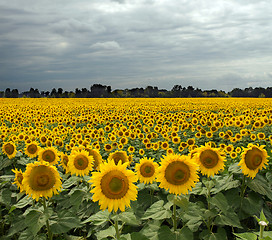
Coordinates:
column 135, row 168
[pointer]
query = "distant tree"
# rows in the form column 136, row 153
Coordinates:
column 14, row 93
column 59, row 92
column 77, row 93
column 7, row 93
column 99, row 90
column 237, row 92
column 53, row 93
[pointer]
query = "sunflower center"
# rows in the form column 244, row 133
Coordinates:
column 32, row 148
column 119, row 156
column 48, row 156
column 177, row 173
column 209, row 158
column 41, row 178
column 20, row 177
column 9, row 148
column 253, row 158
column 114, row 184
column 81, row 162
column 147, row 170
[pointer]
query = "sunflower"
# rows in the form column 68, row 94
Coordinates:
column 141, row 152
column 18, row 179
column 64, row 161
column 96, row 156
column 146, row 170
column 32, row 149
column 177, row 173
column 113, row 186
column 9, row 149
column 210, row 160
column 80, row 163
column 253, row 159
column 41, row 180
column 48, row 154
column 108, row 147
column 117, row 156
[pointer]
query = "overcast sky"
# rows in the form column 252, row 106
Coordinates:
column 209, row 44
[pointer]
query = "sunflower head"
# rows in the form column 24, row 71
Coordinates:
column 9, row 149
column 48, row 154
column 18, row 180
column 41, row 180
column 177, row 173
column 146, row 170
column 253, row 159
column 80, row 163
column 113, row 186
column 211, row 160
column 119, row 156
column 32, row 149
column 96, row 156
column 64, row 161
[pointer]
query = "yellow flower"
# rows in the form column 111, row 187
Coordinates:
column 146, row 170
column 9, row 149
column 32, row 149
column 18, row 179
column 210, row 160
column 41, row 180
column 177, row 173
column 96, row 156
column 113, row 186
column 48, row 154
column 80, row 163
column 64, row 161
column 141, row 152
column 253, row 159
column 117, row 156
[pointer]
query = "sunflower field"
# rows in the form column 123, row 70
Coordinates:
column 136, row 169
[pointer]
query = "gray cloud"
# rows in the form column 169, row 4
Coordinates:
column 135, row 43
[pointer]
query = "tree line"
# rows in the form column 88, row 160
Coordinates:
column 104, row 91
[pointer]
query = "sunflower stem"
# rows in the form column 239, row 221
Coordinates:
column 50, row 235
column 242, row 193
column 117, row 229
column 175, row 214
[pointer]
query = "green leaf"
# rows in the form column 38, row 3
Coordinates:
column 35, row 220
column 252, row 204
column 23, row 202
column 5, row 196
column 129, row 218
column 219, row 235
column 157, row 211
column 64, row 222
column 77, row 197
column 17, row 226
column 70, row 182
column 230, row 219
column 5, row 162
column 98, row 218
column 166, row 233
column 234, row 168
column 220, row 201
column 110, row 232
column 150, row 230
column 268, row 176
column 138, row 236
column 186, row 234
column 260, row 185
column 246, row 236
